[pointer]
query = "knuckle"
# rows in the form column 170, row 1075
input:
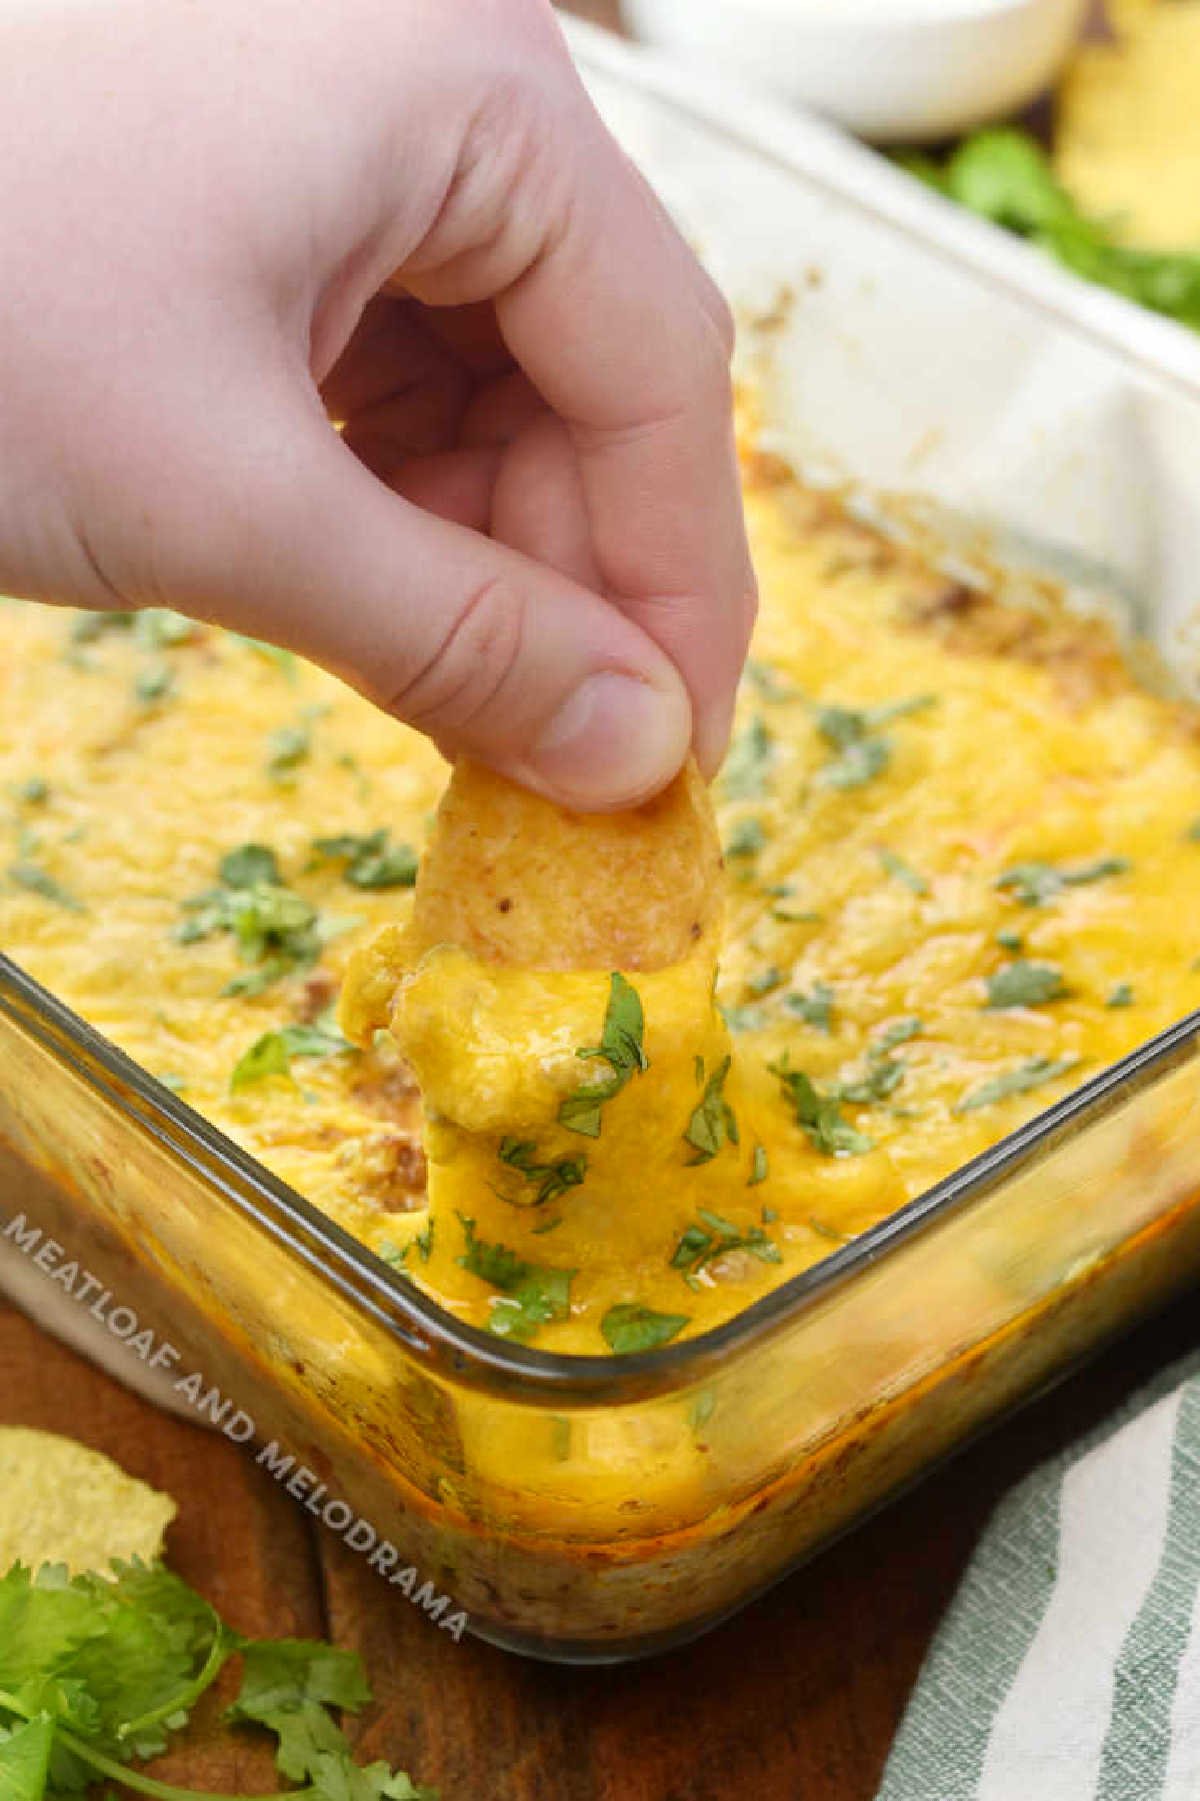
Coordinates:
column 471, row 669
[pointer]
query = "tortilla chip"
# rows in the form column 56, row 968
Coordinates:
column 512, row 878
column 62, row 1503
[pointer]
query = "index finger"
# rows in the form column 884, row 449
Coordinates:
column 629, row 341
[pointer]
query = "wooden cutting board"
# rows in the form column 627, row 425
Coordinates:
column 795, row 1700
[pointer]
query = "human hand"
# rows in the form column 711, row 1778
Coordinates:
column 219, row 221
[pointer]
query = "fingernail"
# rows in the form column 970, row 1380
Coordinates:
column 613, row 742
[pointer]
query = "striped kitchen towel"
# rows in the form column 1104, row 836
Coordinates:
column 1068, row 1665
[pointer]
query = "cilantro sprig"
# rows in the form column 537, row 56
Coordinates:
column 97, row 1672
column 1006, row 176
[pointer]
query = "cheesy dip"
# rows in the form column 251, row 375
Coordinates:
column 961, row 870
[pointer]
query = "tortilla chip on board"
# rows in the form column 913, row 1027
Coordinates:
column 63, row 1503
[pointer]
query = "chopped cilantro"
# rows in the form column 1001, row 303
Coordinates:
column 276, row 929
column 531, row 1294
column 271, row 1055
column 1025, row 984
column 815, row 1008
column 759, row 1170
column 1008, row 940
column 746, row 839
column 248, row 864
column 620, row 1047
column 1006, row 175
column 630, row 1327
column 550, row 1179
column 154, row 685
column 424, row 1240
column 1120, row 996
column 713, row 1123
column 1030, row 1074
column 157, row 628
column 820, row 1114
column 371, row 861
column 881, row 1077
column 34, row 791
column 899, row 1032
column 903, row 872
column 35, row 880
column 288, row 747
column 765, row 982
column 747, row 1018
column 710, row 1238
column 857, row 765
column 1033, row 884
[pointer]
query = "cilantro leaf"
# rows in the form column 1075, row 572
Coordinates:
column 1034, row 883
column 621, row 1047
column 531, row 1293
column 881, row 1077
column 629, row 1327
column 712, row 1236
column 289, row 746
column 713, row 1123
column 249, row 865
column 271, row 1055
column 550, row 1179
column 96, row 1671
column 815, row 1008
column 35, row 880
column 275, row 929
column 25, row 1760
column 899, row 1032
column 903, row 872
column 820, row 1115
column 371, row 861
column 1030, row 1074
column 746, row 839
column 1006, row 176
column 1025, row 984
column 858, row 764
column 853, row 732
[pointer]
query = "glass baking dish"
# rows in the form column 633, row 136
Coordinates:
column 584, row 1508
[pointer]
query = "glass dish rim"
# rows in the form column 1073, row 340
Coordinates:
column 477, row 1358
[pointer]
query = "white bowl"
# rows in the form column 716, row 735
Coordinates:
column 899, row 70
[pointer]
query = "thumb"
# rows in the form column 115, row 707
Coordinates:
column 487, row 651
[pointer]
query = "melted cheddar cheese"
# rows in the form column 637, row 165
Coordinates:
column 962, row 873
